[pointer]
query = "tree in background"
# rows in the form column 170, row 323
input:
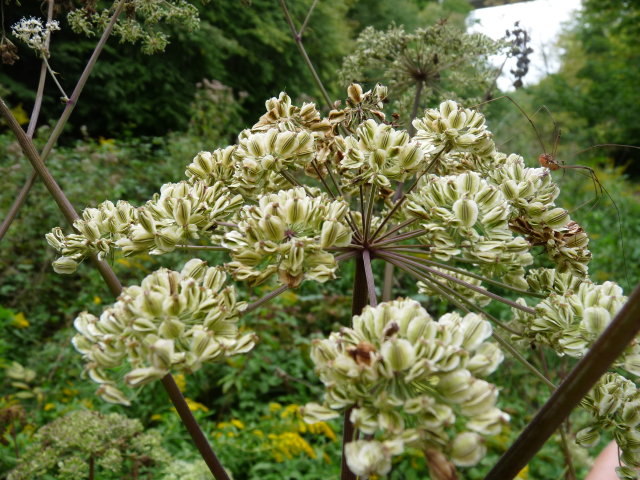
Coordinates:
column 137, row 94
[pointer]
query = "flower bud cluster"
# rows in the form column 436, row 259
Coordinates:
column 452, row 127
column 424, row 374
column 614, row 405
column 172, row 321
column 288, row 233
column 465, row 215
column 360, row 106
column 261, row 156
column 212, row 167
column 378, row 153
column 287, row 117
column 571, row 321
column 98, row 230
column 547, row 280
column 531, row 192
column 180, row 212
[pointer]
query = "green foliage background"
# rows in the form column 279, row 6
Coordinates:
column 246, row 45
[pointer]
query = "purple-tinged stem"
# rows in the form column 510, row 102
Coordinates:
column 105, row 270
column 609, row 346
column 189, row 421
column 62, row 121
column 368, row 271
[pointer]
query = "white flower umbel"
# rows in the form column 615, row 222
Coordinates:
column 179, row 213
column 423, row 375
column 34, row 34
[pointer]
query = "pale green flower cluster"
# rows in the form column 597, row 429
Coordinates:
column 260, row 156
column 287, row 234
column 454, row 127
column 531, row 192
column 466, row 215
column 614, row 404
column 285, row 116
column 574, row 315
column 181, row 212
column 379, row 154
column 406, row 379
column 173, row 321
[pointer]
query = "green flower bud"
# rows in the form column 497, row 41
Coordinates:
column 399, row 354
column 142, row 376
column 111, row 394
column 556, row 218
column 65, row 266
column 467, row 449
column 367, row 458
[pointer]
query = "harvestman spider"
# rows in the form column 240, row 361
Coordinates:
column 550, row 161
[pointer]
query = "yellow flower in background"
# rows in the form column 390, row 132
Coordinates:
column 20, row 321
column 322, row 428
column 237, row 423
column 274, row 407
column 156, row 417
column 181, row 382
column 97, row 300
column 49, row 406
column 106, row 142
column 292, row 410
column 288, row 445
column 195, row 406
column 124, row 262
column 20, row 115
column 523, row 474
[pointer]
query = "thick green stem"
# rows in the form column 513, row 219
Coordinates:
column 574, row 387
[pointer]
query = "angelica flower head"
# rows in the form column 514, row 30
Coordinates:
column 172, row 321
column 425, row 375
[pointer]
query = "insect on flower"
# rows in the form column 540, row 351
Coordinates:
column 549, row 159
